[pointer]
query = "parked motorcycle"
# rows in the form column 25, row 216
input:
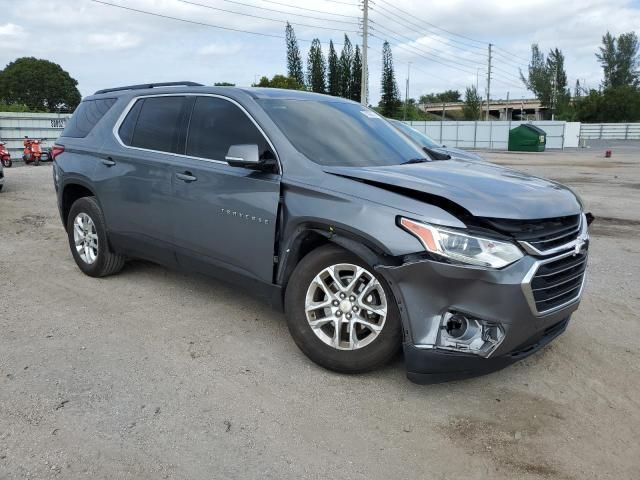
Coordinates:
column 5, row 156
column 32, row 152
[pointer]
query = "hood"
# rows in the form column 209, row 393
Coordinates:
column 459, row 153
column 482, row 189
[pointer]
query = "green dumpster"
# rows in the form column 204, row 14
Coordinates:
column 527, row 138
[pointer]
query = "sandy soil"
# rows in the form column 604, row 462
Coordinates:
column 155, row 374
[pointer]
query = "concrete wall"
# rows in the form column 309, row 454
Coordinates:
column 14, row 126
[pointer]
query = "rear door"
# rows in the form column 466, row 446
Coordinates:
column 224, row 216
column 134, row 180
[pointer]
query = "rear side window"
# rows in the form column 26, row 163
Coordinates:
column 86, row 116
column 154, row 123
column 216, row 124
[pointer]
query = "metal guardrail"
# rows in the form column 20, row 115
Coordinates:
column 610, row 131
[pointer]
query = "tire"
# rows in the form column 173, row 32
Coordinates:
column 100, row 261
column 6, row 162
column 370, row 352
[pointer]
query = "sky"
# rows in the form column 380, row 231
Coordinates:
column 442, row 43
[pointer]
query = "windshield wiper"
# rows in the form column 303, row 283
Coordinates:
column 416, row 160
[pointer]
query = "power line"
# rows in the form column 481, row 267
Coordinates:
column 442, row 60
column 431, row 24
column 504, row 72
column 411, row 15
column 194, row 22
column 308, row 9
column 406, row 23
column 435, row 60
column 514, row 55
column 507, row 59
column 289, row 13
column 341, row 3
column 188, row 2
column 387, row 31
column 422, row 70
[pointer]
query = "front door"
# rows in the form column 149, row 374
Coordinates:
column 224, row 216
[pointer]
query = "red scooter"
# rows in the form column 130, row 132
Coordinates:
column 32, row 152
column 5, row 156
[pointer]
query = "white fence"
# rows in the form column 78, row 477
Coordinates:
column 14, row 127
column 495, row 135
column 463, row 134
column 610, row 131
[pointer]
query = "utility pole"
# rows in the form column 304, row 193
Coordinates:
column 406, row 93
column 489, row 81
column 365, row 38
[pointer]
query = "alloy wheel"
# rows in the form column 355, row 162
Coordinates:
column 85, row 237
column 346, row 306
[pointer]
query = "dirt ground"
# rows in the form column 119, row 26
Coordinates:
column 155, row 374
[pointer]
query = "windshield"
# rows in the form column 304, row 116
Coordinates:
column 340, row 133
column 415, row 135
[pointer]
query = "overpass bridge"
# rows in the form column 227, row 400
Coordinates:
column 524, row 109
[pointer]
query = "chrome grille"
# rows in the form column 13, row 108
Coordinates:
column 557, row 282
column 542, row 236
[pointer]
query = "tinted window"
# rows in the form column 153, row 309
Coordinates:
column 340, row 133
column 217, row 124
column 87, row 116
column 158, row 124
column 129, row 124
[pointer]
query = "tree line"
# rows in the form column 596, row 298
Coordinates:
column 36, row 85
column 617, row 98
column 337, row 75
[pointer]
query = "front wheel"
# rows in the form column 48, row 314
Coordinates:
column 88, row 239
column 340, row 313
column 6, row 162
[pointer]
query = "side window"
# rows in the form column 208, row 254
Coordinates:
column 129, row 124
column 217, row 124
column 86, row 116
column 154, row 123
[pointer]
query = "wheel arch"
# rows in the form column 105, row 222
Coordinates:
column 71, row 192
column 307, row 238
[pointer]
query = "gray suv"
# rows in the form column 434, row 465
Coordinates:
column 320, row 206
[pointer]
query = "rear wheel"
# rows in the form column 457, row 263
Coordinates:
column 342, row 314
column 88, row 239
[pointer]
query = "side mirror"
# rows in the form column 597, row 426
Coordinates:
column 246, row 156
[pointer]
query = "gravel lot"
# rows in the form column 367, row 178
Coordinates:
column 156, row 374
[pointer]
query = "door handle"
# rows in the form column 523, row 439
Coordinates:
column 186, row 177
column 108, row 162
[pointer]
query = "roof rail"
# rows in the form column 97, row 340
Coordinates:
column 150, row 85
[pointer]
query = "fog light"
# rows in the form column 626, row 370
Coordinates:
column 462, row 333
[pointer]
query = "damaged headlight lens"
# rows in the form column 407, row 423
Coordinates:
column 461, row 247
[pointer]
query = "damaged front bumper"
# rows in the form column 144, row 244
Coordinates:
column 502, row 325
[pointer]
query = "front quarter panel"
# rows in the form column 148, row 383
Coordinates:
column 374, row 223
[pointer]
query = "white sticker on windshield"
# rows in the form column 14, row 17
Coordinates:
column 369, row 114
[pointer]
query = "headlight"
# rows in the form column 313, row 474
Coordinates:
column 461, row 247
